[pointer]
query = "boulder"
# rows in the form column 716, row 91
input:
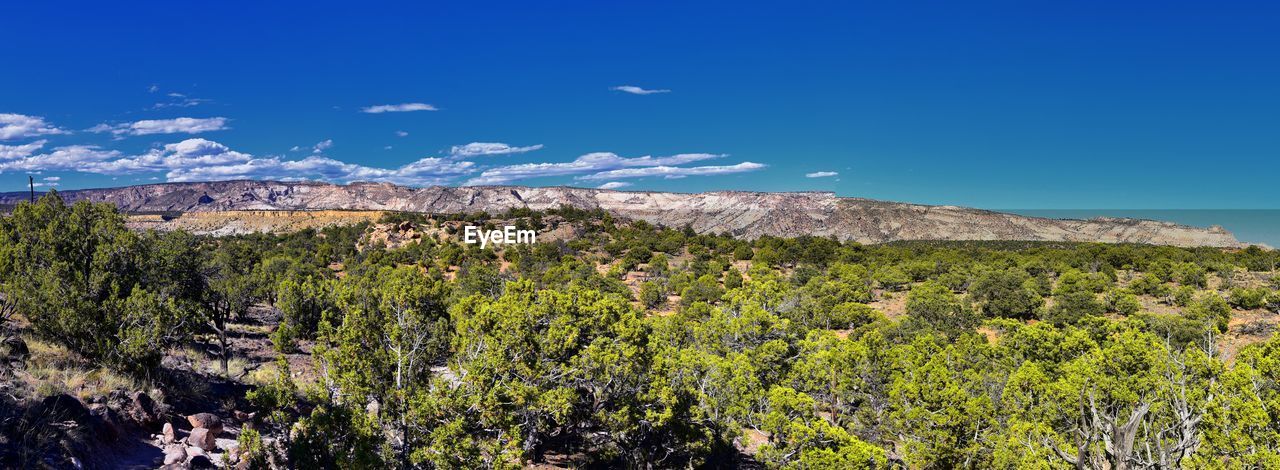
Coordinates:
column 202, row 438
column 108, row 424
column 195, row 451
column 142, row 409
column 205, row 420
column 167, row 434
column 174, row 453
column 61, row 407
column 200, row 462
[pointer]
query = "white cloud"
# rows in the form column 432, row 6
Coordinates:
column 197, row 159
column 204, row 160
column 426, row 171
column 589, row 163
column 176, row 100
column 190, row 153
column 614, row 185
column 480, row 149
column 49, row 181
column 21, row 126
column 821, row 174
column 69, row 158
column 397, row 108
column 402, row 134
column 322, row 146
column 183, row 125
column 635, row 90
column 295, row 148
column 184, row 102
column 13, row 152
column 671, row 172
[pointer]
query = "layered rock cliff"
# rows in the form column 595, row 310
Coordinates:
column 744, row 214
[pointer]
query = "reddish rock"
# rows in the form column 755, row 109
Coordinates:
column 142, row 409
column 202, row 438
column 205, row 420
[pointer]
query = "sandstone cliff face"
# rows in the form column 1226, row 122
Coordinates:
column 744, row 214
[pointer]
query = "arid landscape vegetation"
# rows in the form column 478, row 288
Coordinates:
column 383, row 341
column 649, row 235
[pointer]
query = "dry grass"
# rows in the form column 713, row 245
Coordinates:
column 263, row 375
column 247, row 329
column 53, row 369
column 199, row 361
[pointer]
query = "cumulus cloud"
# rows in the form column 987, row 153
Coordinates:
column 12, row 152
column 614, row 185
column 197, row 159
column 586, row 164
column 672, row 172
column 205, row 160
column 21, row 126
column 183, row 125
column 50, row 181
column 635, row 90
column 402, row 134
column 426, row 171
column 480, row 149
column 91, row 159
column 397, row 108
column 821, row 174
column 69, row 158
column 322, row 146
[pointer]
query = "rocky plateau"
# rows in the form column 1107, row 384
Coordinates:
column 226, row 207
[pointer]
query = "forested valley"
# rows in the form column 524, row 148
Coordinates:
column 623, row 345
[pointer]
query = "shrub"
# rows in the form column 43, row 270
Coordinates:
column 652, row 295
column 1004, row 294
column 1248, row 299
column 1070, row 307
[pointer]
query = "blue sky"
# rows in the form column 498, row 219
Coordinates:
column 989, row 104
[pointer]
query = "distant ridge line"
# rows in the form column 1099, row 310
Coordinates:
column 746, row 214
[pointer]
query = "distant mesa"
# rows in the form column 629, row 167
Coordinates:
column 739, row 213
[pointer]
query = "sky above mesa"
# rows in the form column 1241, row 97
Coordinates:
column 1013, row 104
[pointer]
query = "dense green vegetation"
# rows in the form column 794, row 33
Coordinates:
column 637, row 346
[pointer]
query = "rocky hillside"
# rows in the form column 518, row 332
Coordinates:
column 745, row 214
